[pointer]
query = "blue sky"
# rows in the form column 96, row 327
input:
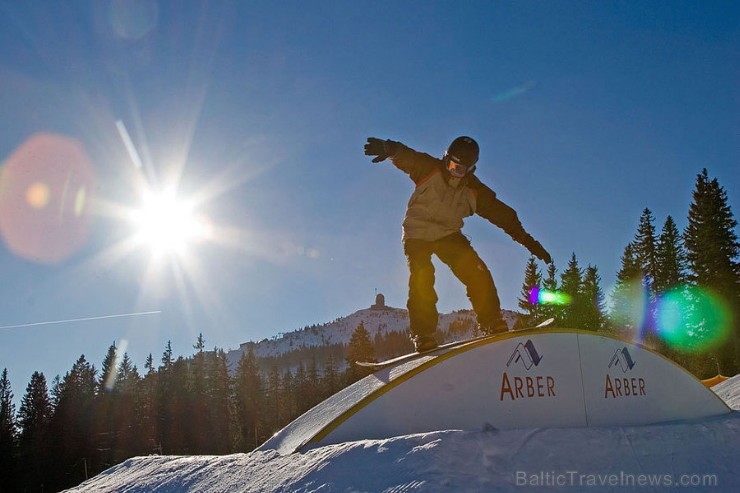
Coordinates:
column 586, row 113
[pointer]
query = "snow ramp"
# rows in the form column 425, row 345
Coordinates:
column 532, row 379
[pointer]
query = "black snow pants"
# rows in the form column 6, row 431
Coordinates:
column 457, row 253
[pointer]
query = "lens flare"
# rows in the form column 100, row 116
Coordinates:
column 693, row 319
column 42, row 217
column 539, row 296
column 630, row 307
column 110, row 381
column 80, row 201
column 37, row 195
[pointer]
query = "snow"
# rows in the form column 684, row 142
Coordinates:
column 729, row 391
column 666, row 457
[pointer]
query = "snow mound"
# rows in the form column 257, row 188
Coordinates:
column 699, row 455
column 665, row 457
column 552, row 378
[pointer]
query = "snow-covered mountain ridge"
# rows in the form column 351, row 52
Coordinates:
column 378, row 318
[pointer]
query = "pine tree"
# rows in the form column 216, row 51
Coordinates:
column 628, row 303
column 360, row 348
column 671, row 259
column 200, row 344
column 313, row 387
column 34, row 419
column 570, row 285
column 712, row 251
column 8, row 428
column 550, row 284
column 128, row 376
column 593, row 304
column 36, row 408
column 249, row 401
column 528, row 301
column 129, row 434
column 167, row 399
column 197, row 401
column 330, row 382
column 106, row 408
column 645, row 247
column 56, row 390
column 167, row 360
column 221, row 412
column 300, row 394
column 147, row 422
column 108, row 370
column 177, row 437
column 287, row 397
column 8, row 434
column 73, row 438
column 711, row 243
column 275, row 404
column 149, row 364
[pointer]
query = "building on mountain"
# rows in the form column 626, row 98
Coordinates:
column 379, row 303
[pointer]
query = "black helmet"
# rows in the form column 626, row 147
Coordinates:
column 463, row 150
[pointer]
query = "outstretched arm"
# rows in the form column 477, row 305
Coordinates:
column 503, row 216
column 416, row 164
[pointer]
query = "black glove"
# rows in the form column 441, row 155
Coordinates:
column 383, row 149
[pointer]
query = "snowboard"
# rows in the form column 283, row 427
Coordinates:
column 410, row 356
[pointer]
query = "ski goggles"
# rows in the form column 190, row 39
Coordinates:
column 456, row 169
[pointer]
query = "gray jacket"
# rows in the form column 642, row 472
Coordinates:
column 440, row 202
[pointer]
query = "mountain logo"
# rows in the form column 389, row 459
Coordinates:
column 622, row 358
column 526, row 386
column 526, row 354
column 618, row 387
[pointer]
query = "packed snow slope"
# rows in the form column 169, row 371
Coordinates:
column 700, row 455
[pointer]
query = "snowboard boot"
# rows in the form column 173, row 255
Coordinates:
column 423, row 343
column 493, row 328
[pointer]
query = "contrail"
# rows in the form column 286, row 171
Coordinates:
column 126, row 138
column 85, row 319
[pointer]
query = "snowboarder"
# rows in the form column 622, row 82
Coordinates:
column 447, row 191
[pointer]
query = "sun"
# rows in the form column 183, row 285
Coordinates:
column 168, row 225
